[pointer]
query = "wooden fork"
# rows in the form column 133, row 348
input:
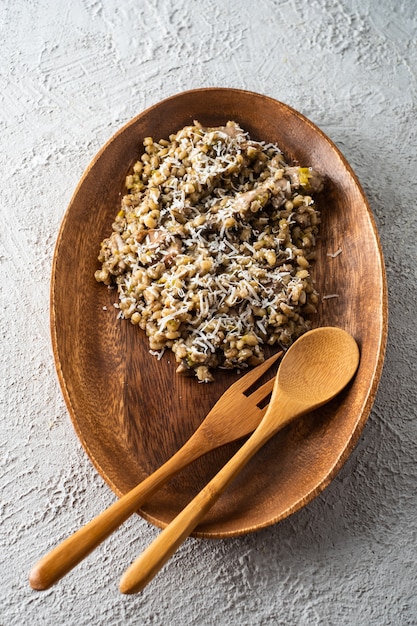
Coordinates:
column 222, row 425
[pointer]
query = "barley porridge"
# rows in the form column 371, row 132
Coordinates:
column 211, row 249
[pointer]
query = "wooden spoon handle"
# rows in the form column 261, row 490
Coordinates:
column 144, row 568
column 76, row 547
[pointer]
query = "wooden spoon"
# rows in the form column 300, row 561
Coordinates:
column 313, row 371
column 225, row 423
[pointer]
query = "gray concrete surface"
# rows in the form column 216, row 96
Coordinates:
column 71, row 73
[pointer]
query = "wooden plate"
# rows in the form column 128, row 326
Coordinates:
column 130, row 411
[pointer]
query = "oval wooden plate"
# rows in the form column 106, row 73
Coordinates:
column 131, row 411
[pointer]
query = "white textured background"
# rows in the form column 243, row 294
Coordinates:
column 71, row 73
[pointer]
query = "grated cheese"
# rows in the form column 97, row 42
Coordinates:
column 211, row 248
column 333, row 255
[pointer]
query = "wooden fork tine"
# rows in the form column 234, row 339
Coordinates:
column 261, row 393
column 242, row 384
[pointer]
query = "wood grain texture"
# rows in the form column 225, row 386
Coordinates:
column 218, row 428
column 132, row 412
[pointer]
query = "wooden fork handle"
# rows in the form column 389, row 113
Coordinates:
column 144, row 568
column 54, row 565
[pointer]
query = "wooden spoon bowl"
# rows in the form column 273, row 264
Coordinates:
column 131, row 411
